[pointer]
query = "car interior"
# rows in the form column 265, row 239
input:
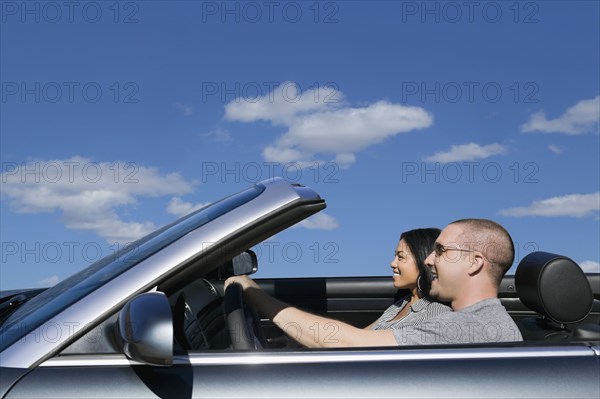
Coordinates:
column 550, row 298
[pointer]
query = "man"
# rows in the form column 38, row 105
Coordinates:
column 468, row 262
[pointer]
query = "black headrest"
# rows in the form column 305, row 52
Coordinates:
column 554, row 286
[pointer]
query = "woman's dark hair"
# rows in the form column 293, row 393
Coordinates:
column 420, row 242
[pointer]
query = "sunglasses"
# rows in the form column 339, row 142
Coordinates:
column 439, row 249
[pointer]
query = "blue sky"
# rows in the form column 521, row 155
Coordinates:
column 117, row 118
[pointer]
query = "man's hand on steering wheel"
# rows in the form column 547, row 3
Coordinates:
column 245, row 281
column 244, row 325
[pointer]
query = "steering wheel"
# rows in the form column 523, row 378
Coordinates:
column 242, row 320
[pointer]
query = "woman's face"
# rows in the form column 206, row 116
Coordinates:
column 404, row 267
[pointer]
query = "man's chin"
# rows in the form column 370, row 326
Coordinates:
column 434, row 291
column 437, row 296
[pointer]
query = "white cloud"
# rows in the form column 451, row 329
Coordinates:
column 581, row 118
column 180, row 208
column 589, row 266
column 185, row 108
column 319, row 122
column 50, row 281
column 344, row 160
column 555, row 149
column 88, row 193
column 319, row 221
column 467, row 152
column 217, row 135
column 284, row 104
column 573, row 205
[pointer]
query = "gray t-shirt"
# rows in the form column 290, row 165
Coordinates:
column 485, row 321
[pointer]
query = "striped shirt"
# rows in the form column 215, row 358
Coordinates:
column 420, row 311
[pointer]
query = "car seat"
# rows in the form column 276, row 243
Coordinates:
column 558, row 290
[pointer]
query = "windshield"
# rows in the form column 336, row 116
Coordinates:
column 50, row 302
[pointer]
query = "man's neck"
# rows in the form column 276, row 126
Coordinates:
column 471, row 296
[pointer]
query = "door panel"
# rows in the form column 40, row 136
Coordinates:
column 419, row 378
column 414, row 376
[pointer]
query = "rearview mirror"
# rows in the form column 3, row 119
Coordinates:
column 145, row 329
column 243, row 264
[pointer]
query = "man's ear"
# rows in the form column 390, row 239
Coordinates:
column 477, row 261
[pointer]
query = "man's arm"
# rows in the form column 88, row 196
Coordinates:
column 370, row 325
column 310, row 330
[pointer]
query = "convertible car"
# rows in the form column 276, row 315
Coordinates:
column 154, row 321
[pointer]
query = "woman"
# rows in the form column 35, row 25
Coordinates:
column 314, row 331
column 411, row 273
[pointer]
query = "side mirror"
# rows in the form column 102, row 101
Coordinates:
column 244, row 263
column 145, row 329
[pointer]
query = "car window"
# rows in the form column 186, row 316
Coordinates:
column 50, row 302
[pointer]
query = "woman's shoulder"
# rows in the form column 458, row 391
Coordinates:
column 400, row 303
column 437, row 307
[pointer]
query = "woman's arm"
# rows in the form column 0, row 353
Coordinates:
column 310, row 330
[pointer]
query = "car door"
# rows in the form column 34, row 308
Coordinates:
column 466, row 372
